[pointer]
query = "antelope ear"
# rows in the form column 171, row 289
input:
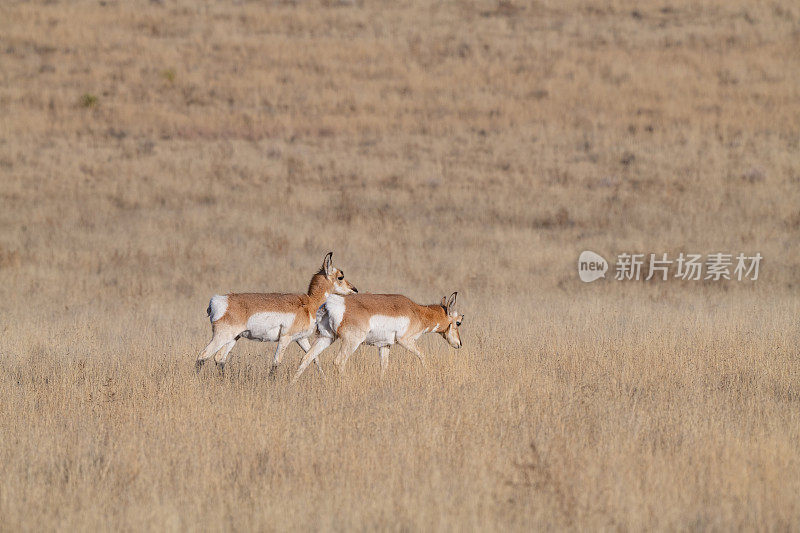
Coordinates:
column 452, row 301
column 326, row 263
column 444, row 302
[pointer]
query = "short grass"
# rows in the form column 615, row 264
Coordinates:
column 155, row 153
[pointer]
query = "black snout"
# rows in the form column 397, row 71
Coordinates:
column 355, row 290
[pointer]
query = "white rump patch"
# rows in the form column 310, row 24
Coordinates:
column 384, row 330
column 330, row 315
column 217, row 307
column 267, row 326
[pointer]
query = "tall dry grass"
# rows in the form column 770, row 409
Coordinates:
column 154, row 153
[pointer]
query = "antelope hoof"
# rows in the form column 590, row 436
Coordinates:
column 273, row 372
column 198, row 365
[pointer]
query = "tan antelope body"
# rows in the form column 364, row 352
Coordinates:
column 281, row 318
column 380, row 320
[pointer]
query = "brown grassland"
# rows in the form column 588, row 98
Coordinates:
column 153, row 153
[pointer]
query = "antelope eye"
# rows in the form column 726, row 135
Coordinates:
column 458, row 323
column 341, row 277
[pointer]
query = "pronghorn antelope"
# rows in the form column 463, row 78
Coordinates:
column 271, row 317
column 381, row 320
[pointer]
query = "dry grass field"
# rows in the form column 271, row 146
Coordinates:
column 153, row 153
